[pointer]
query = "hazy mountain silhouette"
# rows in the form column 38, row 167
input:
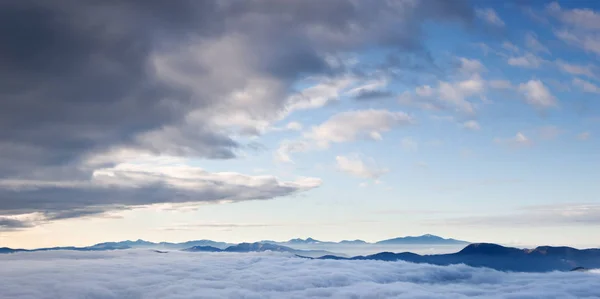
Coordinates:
column 260, row 247
column 424, row 239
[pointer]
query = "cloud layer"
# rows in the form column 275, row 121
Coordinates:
column 134, row 274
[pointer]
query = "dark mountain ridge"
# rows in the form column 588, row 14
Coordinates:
column 539, row 259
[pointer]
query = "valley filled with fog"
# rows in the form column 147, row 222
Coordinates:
column 143, row 273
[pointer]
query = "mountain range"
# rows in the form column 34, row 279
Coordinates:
column 426, row 239
column 260, row 247
column 539, row 259
column 423, row 240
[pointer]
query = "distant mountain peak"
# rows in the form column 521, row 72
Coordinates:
column 308, row 240
column 423, row 239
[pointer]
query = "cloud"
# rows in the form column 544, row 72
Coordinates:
column 584, row 136
column 519, row 140
column 358, row 124
column 184, row 275
column 446, row 95
column 580, row 18
column 355, row 166
column 500, row 84
column 575, row 69
column 470, row 66
column 549, row 132
column 527, row 61
column 489, row 15
column 586, row 86
column 288, row 147
column 510, row 47
column 9, row 224
column 367, row 95
column 409, row 144
column 532, row 42
column 587, row 42
column 185, row 78
column 537, row 94
column 140, row 183
column 294, row 126
column 540, row 215
column 471, row 125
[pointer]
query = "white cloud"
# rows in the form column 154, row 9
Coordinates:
column 319, row 95
column 288, row 147
column 519, row 140
column 489, row 15
column 527, row 61
column 360, row 124
column 182, row 275
column 575, row 69
column 424, row 91
column 409, row 144
column 368, row 86
column 510, row 47
column 532, row 42
column 500, row 84
column 357, row 167
column 587, row 42
column 344, row 127
column 447, row 94
column 580, row 18
column 295, row 126
column 471, row 125
column 537, row 94
column 470, row 66
column 586, row 86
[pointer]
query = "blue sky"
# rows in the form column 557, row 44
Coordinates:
column 480, row 125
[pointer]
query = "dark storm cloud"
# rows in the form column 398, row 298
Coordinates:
column 75, row 78
column 79, row 78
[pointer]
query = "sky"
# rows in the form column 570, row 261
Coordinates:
column 262, row 119
column 134, row 274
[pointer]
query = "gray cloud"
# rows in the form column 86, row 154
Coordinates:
column 368, row 95
column 118, row 189
column 8, row 224
column 81, row 80
column 81, row 77
column 145, row 274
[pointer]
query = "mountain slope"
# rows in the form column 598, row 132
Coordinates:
column 540, row 259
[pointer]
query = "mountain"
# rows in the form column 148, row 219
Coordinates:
column 424, row 239
column 304, row 241
column 353, row 242
column 539, row 259
column 168, row 245
column 203, row 249
column 260, row 247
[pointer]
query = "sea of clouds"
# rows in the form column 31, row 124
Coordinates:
column 134, row 274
